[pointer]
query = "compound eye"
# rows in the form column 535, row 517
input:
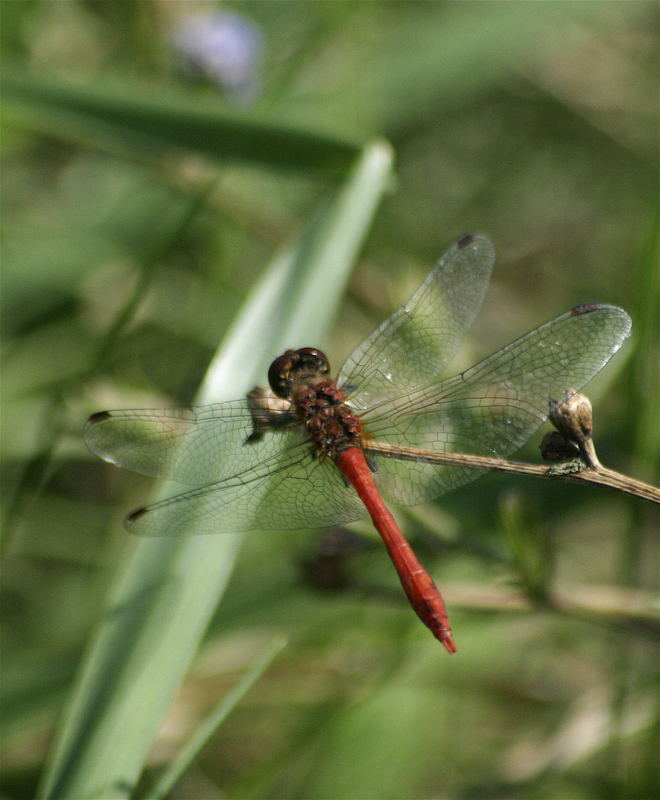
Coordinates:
column 314, row 359
column 279, row 373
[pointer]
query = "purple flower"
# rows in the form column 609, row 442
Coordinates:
column 225, row 47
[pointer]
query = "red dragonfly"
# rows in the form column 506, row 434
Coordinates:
column 292, row 456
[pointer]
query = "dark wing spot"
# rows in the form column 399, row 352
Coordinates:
column 585, row 308
column 465, row 240
column 100, row 416
column 135, row 515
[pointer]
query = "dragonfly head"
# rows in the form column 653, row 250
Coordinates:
column 297, row 366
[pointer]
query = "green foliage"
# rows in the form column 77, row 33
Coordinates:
column 148, row 218
column 131, row 120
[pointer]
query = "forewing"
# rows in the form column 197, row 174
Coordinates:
column 494, row 407
column 195, row 447
column 291, row 490
column 415, row 344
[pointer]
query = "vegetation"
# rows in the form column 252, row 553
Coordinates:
column 167, row 217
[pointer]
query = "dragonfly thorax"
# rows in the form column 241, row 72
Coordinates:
column 299, row 393
column 331, row 424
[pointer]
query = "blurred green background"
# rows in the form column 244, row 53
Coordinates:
column 147, row 183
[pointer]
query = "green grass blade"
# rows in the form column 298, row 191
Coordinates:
column 213, row 721
column 643, row 427
column 131, row 119
column 163, row 598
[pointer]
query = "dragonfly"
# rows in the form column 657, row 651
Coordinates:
column 295, row 455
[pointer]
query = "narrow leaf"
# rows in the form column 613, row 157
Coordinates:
column 162, row 600
column 141, row 118
column 213, row 721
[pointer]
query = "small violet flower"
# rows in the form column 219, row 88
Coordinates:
column 225, row 47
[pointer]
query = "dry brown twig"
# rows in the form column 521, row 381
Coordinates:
column 571, row 444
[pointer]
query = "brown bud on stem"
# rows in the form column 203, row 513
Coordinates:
column 572, row 418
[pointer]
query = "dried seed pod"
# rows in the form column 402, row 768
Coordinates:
column 573, row 419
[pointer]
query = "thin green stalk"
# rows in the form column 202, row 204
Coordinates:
column 213, row 721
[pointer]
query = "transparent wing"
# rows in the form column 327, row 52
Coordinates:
column 494, row 407
column 273, row 483
column 195, row 447
column 290, row 490
column 415, row 344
